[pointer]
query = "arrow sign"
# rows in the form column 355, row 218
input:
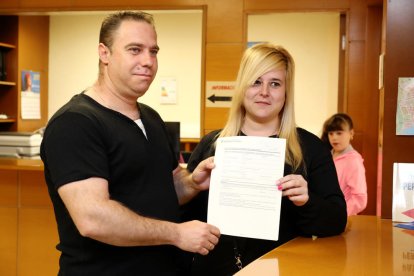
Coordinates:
column 213, row 98
column 219, row 93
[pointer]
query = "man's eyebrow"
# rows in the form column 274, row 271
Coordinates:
column 156, row 47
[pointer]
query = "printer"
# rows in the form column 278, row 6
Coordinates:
column 20, row 144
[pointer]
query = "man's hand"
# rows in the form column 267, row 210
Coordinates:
column 201, row 174
column 197, row 237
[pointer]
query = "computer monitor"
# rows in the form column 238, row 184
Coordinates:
column 173, row 129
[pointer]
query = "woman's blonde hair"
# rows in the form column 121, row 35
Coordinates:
column 256, row 61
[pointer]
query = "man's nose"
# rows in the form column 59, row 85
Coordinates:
column 147, row 59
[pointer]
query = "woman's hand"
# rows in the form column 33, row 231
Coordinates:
column 295, row 187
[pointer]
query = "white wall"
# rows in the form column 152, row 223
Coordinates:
column 73, row 62
column 313, row 41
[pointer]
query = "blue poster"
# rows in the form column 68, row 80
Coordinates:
column 30, row 81
column 30, row 95
column 405, row 107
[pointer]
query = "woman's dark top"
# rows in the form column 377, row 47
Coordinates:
column 323, row 215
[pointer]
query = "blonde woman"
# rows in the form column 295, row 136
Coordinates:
column 312, row 203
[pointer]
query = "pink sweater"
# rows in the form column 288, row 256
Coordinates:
column 351, row 175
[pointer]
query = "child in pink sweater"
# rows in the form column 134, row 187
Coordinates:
column 338, row 131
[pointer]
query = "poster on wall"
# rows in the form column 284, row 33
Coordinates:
column 30, row 95
column 405, row 107
column 252, row 43
column 168, row 91
column 403, row 192
column 219, row 93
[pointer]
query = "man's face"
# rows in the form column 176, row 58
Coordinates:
column 132, row 62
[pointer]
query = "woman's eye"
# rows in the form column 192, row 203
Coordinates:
column 274, row 84
column 257, row 83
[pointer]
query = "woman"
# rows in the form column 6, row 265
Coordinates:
column 338, row 131
column 312, row 202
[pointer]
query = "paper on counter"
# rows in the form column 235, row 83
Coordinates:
column 243, row 199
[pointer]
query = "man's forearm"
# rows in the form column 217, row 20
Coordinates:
column 115, row 224
column 184, row 185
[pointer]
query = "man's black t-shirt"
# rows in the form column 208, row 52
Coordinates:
column 84, row 139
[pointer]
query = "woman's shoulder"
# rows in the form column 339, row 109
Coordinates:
column 207, row 141
column 211, row 136
column 307, row 136
column 204, row 149
column 312, row 146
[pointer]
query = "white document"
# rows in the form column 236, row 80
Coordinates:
column 244, row 200
column 403, row 192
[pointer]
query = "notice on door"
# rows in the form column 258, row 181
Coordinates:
column 219, row 93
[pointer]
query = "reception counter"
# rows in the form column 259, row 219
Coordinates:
column 28, row 231
column 369, row 246
column 28, row 236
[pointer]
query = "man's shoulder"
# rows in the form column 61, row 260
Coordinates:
column 78, row 104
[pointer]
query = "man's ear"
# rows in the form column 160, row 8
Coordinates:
column 104, row 53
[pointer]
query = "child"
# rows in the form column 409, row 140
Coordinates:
column 338, row 132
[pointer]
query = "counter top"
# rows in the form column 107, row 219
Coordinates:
column 369, row 246
column 22, row 164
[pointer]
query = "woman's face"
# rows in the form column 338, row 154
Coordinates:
column 265, row 98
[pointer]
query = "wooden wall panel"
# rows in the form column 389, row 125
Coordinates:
column 364, row 38
column 8, row 241
column 225, row 21
column 215, row 118
column 71, row 5
column 8, row 222
column 357, row 17
column 9, row 4
column 33, row 190
column 356, row 67
column 370, row 98
column 222, row 61
column 136, row 4
column 398, row 62
column 28, row 4
column 296, row 5
column 222, row 64
column 8, row 188
column 37, row 236
column 225, row 38
column 28, row 230
column 34, row 55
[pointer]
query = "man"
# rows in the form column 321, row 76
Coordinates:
column 112, row 176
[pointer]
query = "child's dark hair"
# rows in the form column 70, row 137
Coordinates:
column 336, row 122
